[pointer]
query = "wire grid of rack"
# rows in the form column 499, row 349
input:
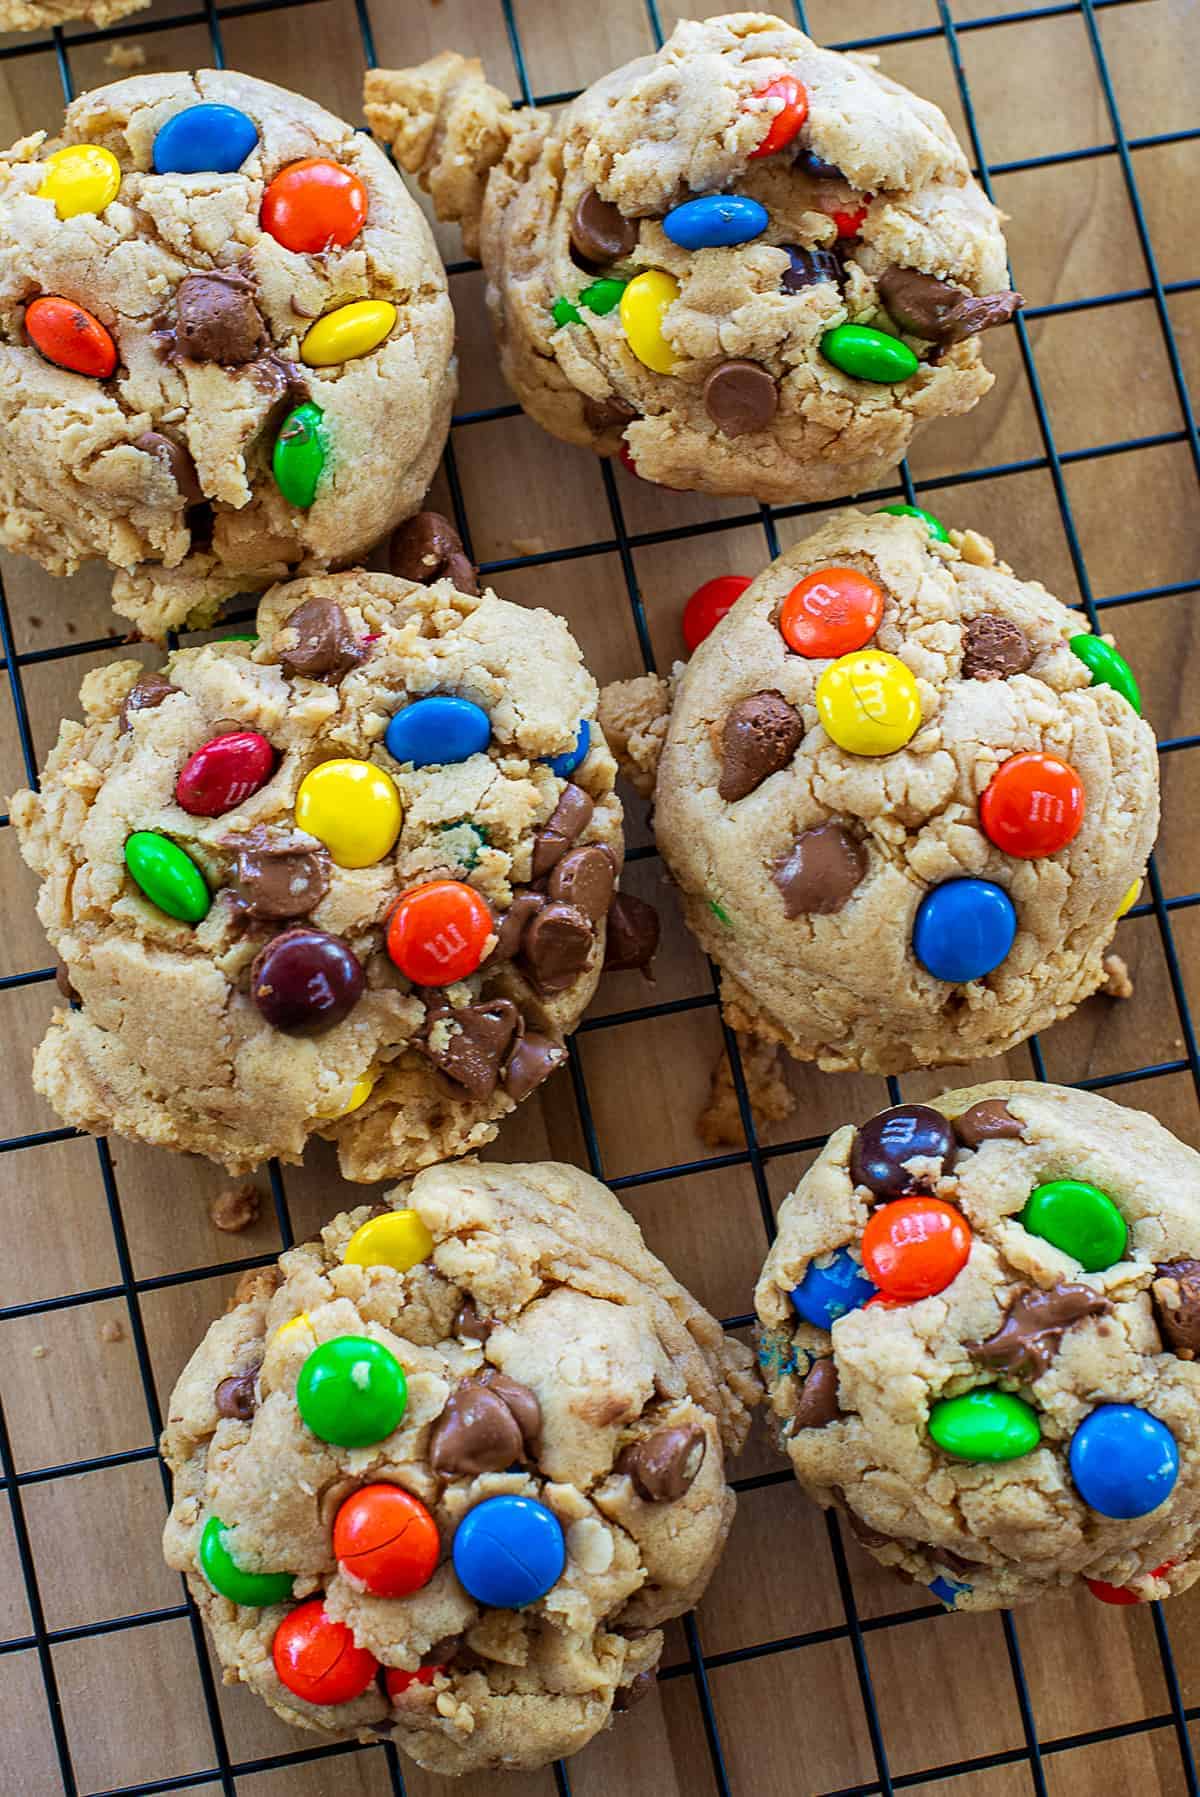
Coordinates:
column 1037, row 1756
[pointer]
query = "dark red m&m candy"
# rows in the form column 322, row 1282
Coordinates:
column 224, row 772
column 305, row 981
column 886, row 1142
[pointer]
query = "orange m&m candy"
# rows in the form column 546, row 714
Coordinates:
column 830, row 613
column 318, row 1659
column 792, row 113
column 313, row 204
column 385, row 1539
column 68, row 336
column 915, row 1246
column 708, row 605
column 436, row 933
column 1033, row 805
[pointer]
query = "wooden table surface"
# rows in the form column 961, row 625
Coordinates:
column 798, row 1621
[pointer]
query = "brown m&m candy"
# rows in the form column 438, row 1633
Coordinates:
column 305, row 981
column 886, row 1143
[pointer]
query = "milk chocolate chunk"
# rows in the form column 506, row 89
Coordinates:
column 939, row 312
column 627, row 1697
column 988, row 1121
column 818, row 1402
column 1176, row 1295
column 741, row 397
column 428, row 548
column 631, row 940
column 533, row 1059
column 821, row 872
column 760, row 735
column 569, row 819
column 1031, row 1334
column 280, row 876
column 62, row 979
column 663, row 1465
column 557, row 946
column 510, row 926
column 600, row 232
column 235, row 1396
column 993, row 648
column 469, row 1045
column 488, row 1423
column 144, row 695
column 585, row 878
column 324, row 646
column 468, row 1322
column 176, row 460
column 216, row 319
column 606, row 414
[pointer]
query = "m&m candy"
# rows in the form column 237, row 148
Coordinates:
column 564, row 765
column 204, row 139
column 398, row 1239
column 254, row 1589
column 398, row 1681
column 708, row 605
column 849, row 223
column 351, row 1391
column 298, row 458
column 168, row 876
column 318, row 1659
column 70, row 337
column 1122, row 1594
column 353, row 808
column 224, row 772
column 1129, row 898
column 831, row 613
column 1123, row 1460
column 915, row 1246
column 350, row 331
column 886, row 1143
column 1107, row 668
column 80, row 178
column 934, row 526
column 869, row 703
column 386, row 1540
column 360, row 1091
column 509, row 1551
column 985, row 1424
column 963, row 929
column 437, row 933
column 643, row 304
column 715, row 220
column 314, row 205
column 603, row 296
column 1081, row 1220
column 868, row 355
column 1032, row 806
column 305, row 981
column 787, row 109
column 437, row 731
column 828, row 1291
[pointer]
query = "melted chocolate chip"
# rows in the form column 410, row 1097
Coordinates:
column 557, row 946
column 62, row 979
column 533, row 1060
column 600, row 232
column 216, row 319
column 587, row 879
column 1031, row 1334
column 988, row 1121
column 569, row 819
column 760, row 735
column 741, row 397
column 885, row 1143
column 236, row 1395
column 280, row 877
column 627, row 1697
column 176, row 460
column 323, row 646
column 468, row 1322
column 469, row 1045
column 488, row 1423
column 939, row 312
column 821, row 872
column 993, row 648
column 664, row 1465
column 606, row 414
column 1176, row 1296
column 808, row 267
column 818, row 1402
column 428, row 548
column 144, row 695
column 631, row 940
column 510, row 926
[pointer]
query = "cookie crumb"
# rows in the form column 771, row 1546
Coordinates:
column 111, row 1330
column 1119, row 983
column 528, row 545
column 255, row 1283
column 236, row 1208
column 125, row 56
column 40, row 1352
column 975, row 548
column 720, row 1122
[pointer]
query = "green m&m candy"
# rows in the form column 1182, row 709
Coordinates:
column 934, row 526
column 563, row 312
column 1081, row 1220
column 351, row 1391
column 867, row 354
column 603, row 295
column 1107, row 667
column 169, row 878
column 254, row 1589
column 299, row 455
column 985, row 1424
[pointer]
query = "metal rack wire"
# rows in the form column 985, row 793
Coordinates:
column 224, row 1771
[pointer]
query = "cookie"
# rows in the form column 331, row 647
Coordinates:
column 747, row 264
column 468, row 1445
column 41, row 15
column 227, row 343
column 904, row 794
column 978, row 1326
column 349, row 878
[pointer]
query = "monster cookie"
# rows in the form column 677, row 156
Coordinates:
column 40, row 15
column 227, row 343
column 905, row 797
column 978, row 1328
column 747, row 264
column 350, row 877
column 446, row 1472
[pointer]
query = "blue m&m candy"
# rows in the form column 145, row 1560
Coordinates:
column 963, row 929
column 948, row 1591
column 1124, row 1461
column 508, row 1551
column 715, row 220
column 205, row 139
column 827, row 1293
column 564, row 765
column 438, row 730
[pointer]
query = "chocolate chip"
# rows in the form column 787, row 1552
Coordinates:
column 989, row 1120
column 323, row 646
column 510, row 926
column 1031, row 1333
column 62, row 979
column 811, row 266
column 664, row 1465
column 886, row 1142
column 468, row 1045
column 305, row 981
column 428, row 548
column 760, row 735
column 144, row 695
column 488, row 1423
column 557, row 946
column 993, row 648
column 606, row 414
column 280, row 876
column 938, row 311
column 821, row 872
column 176, row 460
column 741, row 397
column 533, row 1060
column 627, row 1697
column 631, row 940
column 236, row 1396
column 1176, row 1296
column 569, row 819
column 587, row 879
column 600, row 232
column 818, row 1402
column 469, row 1323
column 216, row 319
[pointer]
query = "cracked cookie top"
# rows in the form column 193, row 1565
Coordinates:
column 978, row 1327
column 446, row 1472
column 350, row 877
column 220, row 314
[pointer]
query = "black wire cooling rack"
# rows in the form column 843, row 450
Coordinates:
column 224, row 1771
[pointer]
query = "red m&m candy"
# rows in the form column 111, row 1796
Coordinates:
column 914, row 1247
column 313, row 204
column 849, row 224
column 69, row 336
column 793, row 110
column 398, row 1681
column 708, row 605
column 831, row 613
column 318, row 1659
column 386, row 1540
column 1033, row 805
column 224, row 772
column 437, row 933
column 1121, row 1594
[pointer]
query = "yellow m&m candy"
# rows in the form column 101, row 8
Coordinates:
column 868, row 703
column 351, row 331
column 398, row 1239
column 360, row 1091
column 353, row 808
column 643, row 303
column 300, row 1324
column 1131, row 897
column 81, row 178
